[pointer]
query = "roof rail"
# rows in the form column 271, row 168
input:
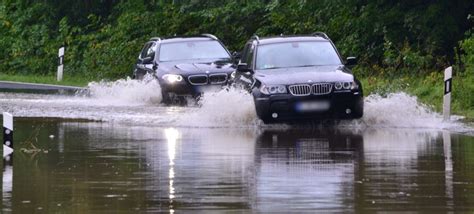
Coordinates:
column 210, row 36
column 256, row 38
column 321, row 34
column 156, row 39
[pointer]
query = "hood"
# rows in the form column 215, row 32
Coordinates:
column 190, row 68
column 300, row 75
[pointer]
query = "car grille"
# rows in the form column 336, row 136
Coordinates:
column 198, row 79
column 300, row 90
column 306, row 89
column 217, row 78
column 321, row 88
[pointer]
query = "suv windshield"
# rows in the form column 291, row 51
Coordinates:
column 296, row 54
column 192, row 50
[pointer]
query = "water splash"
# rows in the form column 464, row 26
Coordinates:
column 401, row 110
column 138, row 102
column 125, row 92
column 229, row 107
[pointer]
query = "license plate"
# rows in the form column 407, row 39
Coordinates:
column 312, row 106
column 208, row 88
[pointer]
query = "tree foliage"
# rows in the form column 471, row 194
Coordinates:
column 103, row 37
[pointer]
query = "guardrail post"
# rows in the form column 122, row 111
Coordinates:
column 7, row 134
column 60, row 64
column 448, row 73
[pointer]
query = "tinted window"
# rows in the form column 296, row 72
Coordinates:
column 192, row 50
column 146, row 50
column 296, row 54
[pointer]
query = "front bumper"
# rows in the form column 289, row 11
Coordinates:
column 186, row 89
column 283, row 107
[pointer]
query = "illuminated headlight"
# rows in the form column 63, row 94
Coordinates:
column 346, row 85
column 172, row 78
column 273, row 89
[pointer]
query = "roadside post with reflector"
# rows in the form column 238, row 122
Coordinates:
column 448, row 74
column 7, row 134
column 60, row 64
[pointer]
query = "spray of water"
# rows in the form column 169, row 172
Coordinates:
column 229, row 107
column 126, row 92
column 400, row 110
column 138, row 102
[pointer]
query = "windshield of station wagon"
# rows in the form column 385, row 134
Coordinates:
column 192, row 50
column 296, row 54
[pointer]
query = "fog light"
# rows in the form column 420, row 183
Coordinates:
column 348, row 111
column 274, row 115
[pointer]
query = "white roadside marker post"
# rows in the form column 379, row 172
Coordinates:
column 448, row 74
column 60, row 64
column 7, row 134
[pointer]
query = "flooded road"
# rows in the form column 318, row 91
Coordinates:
column 115, row 151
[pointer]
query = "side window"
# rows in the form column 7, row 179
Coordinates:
column 245, row 53
column 146, row 50
column 151, row 50
column 249, row 58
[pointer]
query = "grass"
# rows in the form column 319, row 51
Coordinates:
column 67, row 80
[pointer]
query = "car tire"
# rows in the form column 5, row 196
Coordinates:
column 165, row 97
column 266, row 120
column 359, row 109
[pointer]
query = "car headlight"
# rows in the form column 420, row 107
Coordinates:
column 345, row 85
column 273, row 89
column 172, row 78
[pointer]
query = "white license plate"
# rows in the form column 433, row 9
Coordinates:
column 208, row 88
column 312, row 106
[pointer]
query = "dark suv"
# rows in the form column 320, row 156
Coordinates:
column 185, row 66
column 299, row 77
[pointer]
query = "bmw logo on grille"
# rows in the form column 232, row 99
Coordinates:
column 310, row 81
column 207, row 72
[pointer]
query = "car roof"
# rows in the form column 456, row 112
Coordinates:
column 279, row 39
column 172, row 39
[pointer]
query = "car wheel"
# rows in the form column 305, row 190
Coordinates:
column 359, row 109
column 165, row 97
column 266, row 120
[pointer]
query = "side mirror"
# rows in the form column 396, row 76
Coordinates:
column 147, row 60
column 351, row 61
column 243, row 68
column 236, row 56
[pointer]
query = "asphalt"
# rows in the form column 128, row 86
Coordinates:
column 37, row 88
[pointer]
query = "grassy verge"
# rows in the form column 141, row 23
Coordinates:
column 67, row 80
column 429, row 89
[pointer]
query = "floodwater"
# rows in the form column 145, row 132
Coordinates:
column 117, row 150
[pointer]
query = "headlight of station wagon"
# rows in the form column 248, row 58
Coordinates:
column 273, row 89
column 345, row 85
column 172, row 78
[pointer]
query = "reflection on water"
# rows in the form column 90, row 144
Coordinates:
column 94, row 167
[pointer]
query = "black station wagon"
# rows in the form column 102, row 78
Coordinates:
column 185, row 66
column 299, row 77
